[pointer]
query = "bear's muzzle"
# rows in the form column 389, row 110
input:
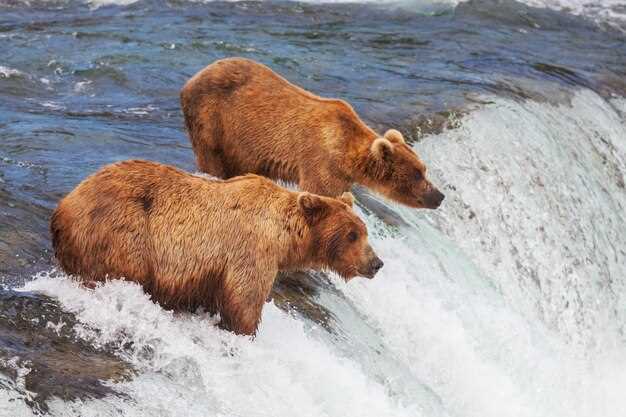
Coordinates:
column 373, row 267
column 434, row 198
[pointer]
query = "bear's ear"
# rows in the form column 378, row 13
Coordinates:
column 313, row 207
column 394, row 136
column 347, row 198
column 382, row 148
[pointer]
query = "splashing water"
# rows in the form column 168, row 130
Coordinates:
column 503, row 303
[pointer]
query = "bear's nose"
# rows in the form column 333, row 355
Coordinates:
column 440, row 197
column 435, row 198
column 376, row 264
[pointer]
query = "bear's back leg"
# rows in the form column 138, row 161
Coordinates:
column 206, row 102
column 207, row 134
column 105, row 240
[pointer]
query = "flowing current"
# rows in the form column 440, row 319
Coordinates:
column 510, row 300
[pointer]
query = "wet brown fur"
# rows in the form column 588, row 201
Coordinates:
column 244, row 118
column 196, row 242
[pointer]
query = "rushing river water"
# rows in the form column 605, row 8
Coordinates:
column 510, row 300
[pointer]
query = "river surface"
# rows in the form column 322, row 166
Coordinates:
column 510, row 300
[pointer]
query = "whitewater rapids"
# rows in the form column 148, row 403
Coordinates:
column 508, row 301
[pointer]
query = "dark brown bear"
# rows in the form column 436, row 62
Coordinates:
column 196, row 242
column 244, row 118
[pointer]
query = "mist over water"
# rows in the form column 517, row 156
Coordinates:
column 510, row 300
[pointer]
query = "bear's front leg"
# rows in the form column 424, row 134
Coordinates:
column 244, row 293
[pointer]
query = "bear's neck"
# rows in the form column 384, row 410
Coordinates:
column 348, row 142
column 366, row 171
column 294, row 239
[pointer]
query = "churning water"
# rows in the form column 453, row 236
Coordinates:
column 510, row 300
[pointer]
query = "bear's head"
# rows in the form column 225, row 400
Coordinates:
column 338, row 236
column 393, row 169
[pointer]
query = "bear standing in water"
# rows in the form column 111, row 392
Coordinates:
column 244, row 118
column 196, row 242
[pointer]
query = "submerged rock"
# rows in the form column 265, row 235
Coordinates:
column 299, row 291
column 41, row 357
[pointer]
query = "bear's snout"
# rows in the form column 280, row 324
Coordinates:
column 373, row 267
column 434, row 198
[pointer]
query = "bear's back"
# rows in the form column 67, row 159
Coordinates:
column 144, row 187
column 118, row 221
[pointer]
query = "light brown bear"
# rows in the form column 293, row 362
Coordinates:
column 244, row 118
column 196, row 242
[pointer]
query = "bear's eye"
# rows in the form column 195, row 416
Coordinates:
column 352, row 236
column 418, row 176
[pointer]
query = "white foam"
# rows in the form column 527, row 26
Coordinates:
column 600, row 11
column 194, row 366
column 457, row 335
column 6, row 72
column 82, row 86
column 523, row 314
column 548, row 203
column 52, row 105
column 141, row 111
column 99, row 3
